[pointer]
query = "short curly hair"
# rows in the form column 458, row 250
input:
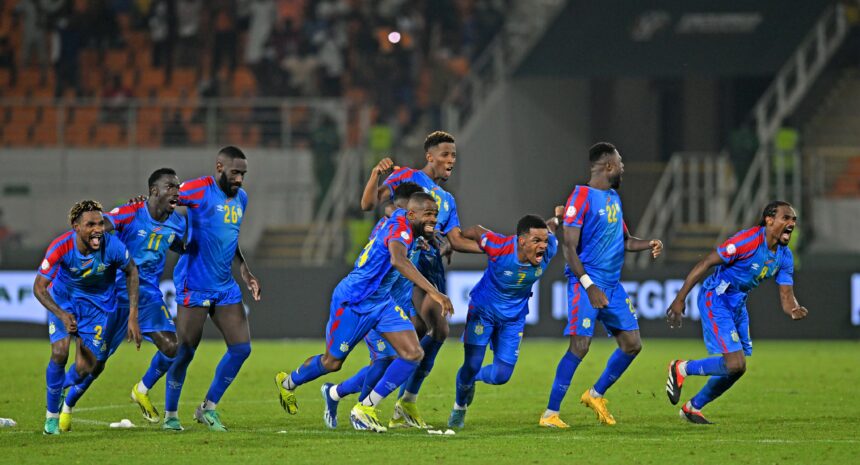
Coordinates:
column 437, row 137
column 82, row 207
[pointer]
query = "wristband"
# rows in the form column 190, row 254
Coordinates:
column 586, row 281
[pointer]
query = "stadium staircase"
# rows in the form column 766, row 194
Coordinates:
column 689, row 233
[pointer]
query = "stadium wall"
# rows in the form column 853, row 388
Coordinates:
column 296, row 301
column 39, row 186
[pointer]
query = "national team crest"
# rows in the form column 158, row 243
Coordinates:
column 344, row 347
column 479, row 329
column 571, row 211
column 380, row 345
column 206, row 303
column 586, row 323
column 45, row 265
column 538, row 272
column 52, row 328
column 731, row 249
column 735, row 336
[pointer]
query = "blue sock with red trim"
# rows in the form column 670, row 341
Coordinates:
column 712, row 366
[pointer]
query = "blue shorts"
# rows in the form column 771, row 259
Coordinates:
column 94, row 327
column 190, row 298
column 618, row 316
column 484, row 327
column 349, row 324
column 377, row 345
column 725, row 329
column 430, row 265
column 153, row 314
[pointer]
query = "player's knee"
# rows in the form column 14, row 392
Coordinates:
column 413, row 354
column 331, row 364
column 240, row 351
column 632, row 348
column 184, row 354
column 503, row 372
column 169, row 348
column 736, row 367
column 579, row 347
column 60, row 354
column 441, row 330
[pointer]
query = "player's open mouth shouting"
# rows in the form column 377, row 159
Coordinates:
column 95, row 240
column 172, row 202
column 786, row 234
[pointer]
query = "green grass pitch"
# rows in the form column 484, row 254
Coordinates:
column 797, row 403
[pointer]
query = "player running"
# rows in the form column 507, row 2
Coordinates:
column 595, row 239
column 499, row 303
column 149, row 229
column 205, row 286
column 441, row 155
column 76, row 283
column 362, row 301
column 381, row 353
column 743, row 261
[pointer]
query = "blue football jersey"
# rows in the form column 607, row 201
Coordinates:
column 75, row 276
column 214, row 223
column 401, row 290
column 506, row 285
column 148, row 241
column 747, row 262
column 373, row 276
column 447, row 218
column 601, row 242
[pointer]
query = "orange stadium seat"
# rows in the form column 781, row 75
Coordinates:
column 196, row 134
column 243, row 81
column 116, row 60
column 16, row 135
column 45, row 134
column 25, row 115
column 5, row 77
column 110, row 135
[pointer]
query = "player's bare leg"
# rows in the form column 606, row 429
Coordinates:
column 54, row 377
column 189, row 330
column 167, row 344
column 233, row 324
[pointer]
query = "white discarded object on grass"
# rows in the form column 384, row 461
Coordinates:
column 282, row 432
column 124, row 423
column 7, row 423
column 449, row 432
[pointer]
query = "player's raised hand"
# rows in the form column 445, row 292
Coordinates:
column 798, row 313
column 674, row 313
column 253, row 285
column 559, row 211
column 69, row 322
column 385, row 165
column 445, row 302
column 596, row 297
column 133, row 333
column 656, row 247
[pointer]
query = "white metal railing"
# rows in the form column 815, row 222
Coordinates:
column 524, row 26
column 325, row 239
column 780, row 99
column 694, row 188
column 167, row 122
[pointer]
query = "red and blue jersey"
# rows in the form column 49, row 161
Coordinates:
column 597, row 214
column 75, row 276
column 401, row 290
column 214, row 221
column 447, row 218
column 373, row 276
column 506, row 285
column 148, row 241
column 747, row 261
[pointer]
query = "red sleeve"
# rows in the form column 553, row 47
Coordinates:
column 399, row 231
column 576, row 207
column 53, row 257
column 191, row 193
column 495, row 245
column 121, row 216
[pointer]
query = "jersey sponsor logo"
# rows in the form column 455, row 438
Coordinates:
column 220, row 208
column 344, row 347
column 170, row 239
column 731, row 249
column 45, row 265
column 141, row 233
column 586, row 323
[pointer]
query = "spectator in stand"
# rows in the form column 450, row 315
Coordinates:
column 7, row 60
column 188, row 21
column 224, row 43
column 115, row 101
column 162, row 30
column 175, row 132
column 32, row 33
column 263, row 16
column 65, row 56
column 301, row 65
column 331, row 65
column 325, row 144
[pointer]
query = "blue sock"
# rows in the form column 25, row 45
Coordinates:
column 312, row 371
column 72, row 377
column 713, row 366
column 563, row 375
column 714, row 388
column 431, row 350
column 227, row 370
column 374, row 374
column 78, row 390
column 497, row 373
column 157, row 368
column 54, row 376
column 354, row 383
column 615, row 366
column 473, row 356
column 397, row 373
column 176, row 377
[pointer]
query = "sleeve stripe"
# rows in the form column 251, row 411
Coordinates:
column 493, row 238
column 579, row 202
column 63, row 241
column 196, row 184
column 398, row 176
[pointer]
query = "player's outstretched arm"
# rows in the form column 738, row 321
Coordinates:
column 132, row 282
column 40, row 290
column 635, row 244
column 251, row 281
column 375, row 194
column 553, row 223
column 404, row 266
column 474, row 233
column 789, row 303
column 462, row 244
column 676, row 309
